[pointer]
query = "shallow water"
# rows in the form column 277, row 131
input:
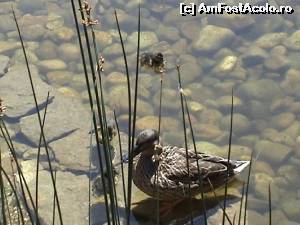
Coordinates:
column 256, row 55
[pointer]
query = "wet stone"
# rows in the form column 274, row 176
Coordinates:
column 290, row 173
column 74, row 208
column 33, row 32
column 209, row 148
column 291, row 83
column 268, row 24
column 7, row 23
column 147, row 39
column 210, row 116
column 212, row 38
column 47, row 50
column 225, row 102
column 172, row 138
column 270, row 40
column 167, row 123
column 190, row 72
column 293, row 130
column 196, row 106
column 28, row 6
column 19, row 56
column 69, row 51
column 116, row 78
column 52, row 64
column 59, row 78
column 168, row 33
column 231, row 21
column 248, row 140
column 65, row 115
column 292, row 42
column 279, row 137
column 263, row 167
column 291, row 207
column 261, row 183
column 241, row 123
column 16, row 82
column 264, row 90
column 6, row 46
column 254, row 56
column 277, row 62
column 282, row 120
column 272, row 152
column 104, row 38
column 55, row 21
column 227, row 64
column 207, row 131
column 62, row 34
column 4, row 64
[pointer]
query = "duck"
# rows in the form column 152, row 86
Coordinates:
column 153, row 60
column 162, row 173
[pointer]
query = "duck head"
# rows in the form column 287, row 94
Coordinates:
column 146, row 142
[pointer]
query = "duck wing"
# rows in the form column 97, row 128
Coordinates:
column 174, row 167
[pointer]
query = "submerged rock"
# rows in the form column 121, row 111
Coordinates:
column 52, row 64
column 241, row 123
column 74, row 207
column 4, row 64
column 6, row 46
column 282, row 120
column 16, row 81
column 291, row 207
column 147, row 39
column 167, row 123
column 270, row 40
column 263, row 90
column 291, row 82
column 212, row 38
column 292, row 42
column 271, row 151
column 231, row 21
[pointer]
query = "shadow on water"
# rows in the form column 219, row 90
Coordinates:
column 144, row 211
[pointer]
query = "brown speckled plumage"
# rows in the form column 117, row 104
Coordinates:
column 172, row 179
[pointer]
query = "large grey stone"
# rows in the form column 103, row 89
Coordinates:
column 263, row 90
column 212, row 38
column 16, row 91
column 64, row 116
column 4, row 64
column 271, row 151
column 72, row 192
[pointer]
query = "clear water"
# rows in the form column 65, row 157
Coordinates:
column 262, row 72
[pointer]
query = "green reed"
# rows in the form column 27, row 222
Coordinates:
column 15, row 194
column 38, row 159
column 8, row 208
column 40, row 122
column 247, row 188
column 111, row 202
column 121, row 159
column 22, row 179
column 241, row 205
column 185, row 141
column 2, row 190
column 219, row 204
column 130, row 163
column 198, row 167
column 84, row 64
column 270, row 205
column 228, row 157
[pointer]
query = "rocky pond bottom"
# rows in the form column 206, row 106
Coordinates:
column 256, row 55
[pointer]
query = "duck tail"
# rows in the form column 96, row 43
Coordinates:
column 240, row 166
